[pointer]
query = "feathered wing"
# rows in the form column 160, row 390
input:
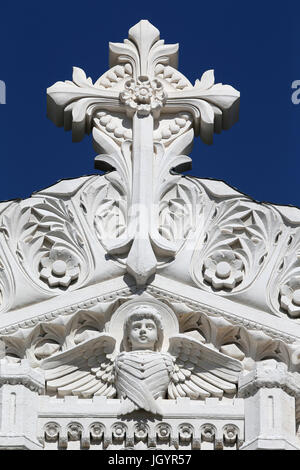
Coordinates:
column 139, row 385
column 84, row 370
column 200, row 372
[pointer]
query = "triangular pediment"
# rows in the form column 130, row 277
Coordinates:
column 56, row 219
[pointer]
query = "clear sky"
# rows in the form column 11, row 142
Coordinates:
column 254, row 46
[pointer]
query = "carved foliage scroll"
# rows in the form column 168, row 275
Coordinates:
column 237, row 242
column 284, row 285
column 48, row 243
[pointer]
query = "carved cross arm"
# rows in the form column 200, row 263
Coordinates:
column 213, row 106
column 73, row 104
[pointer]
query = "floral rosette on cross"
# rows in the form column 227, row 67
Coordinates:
column 143, row 96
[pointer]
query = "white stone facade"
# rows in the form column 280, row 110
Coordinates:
column 142, row 309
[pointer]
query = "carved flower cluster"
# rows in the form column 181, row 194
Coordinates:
column 143, row 95
column 290, row 297
column 223, row 270
column 60, row 268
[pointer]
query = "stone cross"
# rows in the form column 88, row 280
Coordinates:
column 145, row 91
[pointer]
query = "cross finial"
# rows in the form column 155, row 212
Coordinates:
column 145, row 101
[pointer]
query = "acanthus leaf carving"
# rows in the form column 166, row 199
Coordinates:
column 146, row 108
column 47, row 242
column 237, row 242
column 284, row 285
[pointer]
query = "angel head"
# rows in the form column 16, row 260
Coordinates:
column 143, row 329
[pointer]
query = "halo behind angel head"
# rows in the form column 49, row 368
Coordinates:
column 164, row 318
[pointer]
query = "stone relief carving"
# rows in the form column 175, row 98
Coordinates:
column 143, row 126
column 284, row 285
column 235, row 246
column 137, row 346
column 245, row 341
column 7, row 284
column 143, row 371
column 142, row 436
column 47, row 242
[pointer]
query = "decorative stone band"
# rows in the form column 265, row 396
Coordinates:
column 269, row 374
column 21, row 374
column 103, row 434
column 222, row 327
column 110, row 296
column 232, row 318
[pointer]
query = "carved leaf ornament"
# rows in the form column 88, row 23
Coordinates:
column 143, row 115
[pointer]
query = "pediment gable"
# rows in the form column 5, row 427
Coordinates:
column 247, row 313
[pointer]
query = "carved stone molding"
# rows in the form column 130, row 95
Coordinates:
column 21, row 374
column 57, row 430
column 269, row 374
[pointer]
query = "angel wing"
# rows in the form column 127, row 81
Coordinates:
column 200, row 372
column 83, row 370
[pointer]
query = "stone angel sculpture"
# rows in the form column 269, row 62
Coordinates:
column 141, row 373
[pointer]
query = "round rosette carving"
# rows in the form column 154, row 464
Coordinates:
column 223, row 270
column 231, row 434
column 74, row 431
column 208, row 432
column 143, row 95
column 119, row 431
column 141, row 431
column 185, row 432
column 163, row 431
column 52, row 431
column 97, row 431
column 59, row 268
column 289, row 297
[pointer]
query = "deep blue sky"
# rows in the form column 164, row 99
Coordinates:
column 253, row 46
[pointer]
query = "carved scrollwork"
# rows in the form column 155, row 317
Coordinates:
column 180, row 211
column 235, row 246
column 177, row 203
column 48, row 244
column 7, row 285
column 284, row 285
column 105, row 208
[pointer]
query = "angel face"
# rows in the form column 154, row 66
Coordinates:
column 143, row 330
column 142, row 334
